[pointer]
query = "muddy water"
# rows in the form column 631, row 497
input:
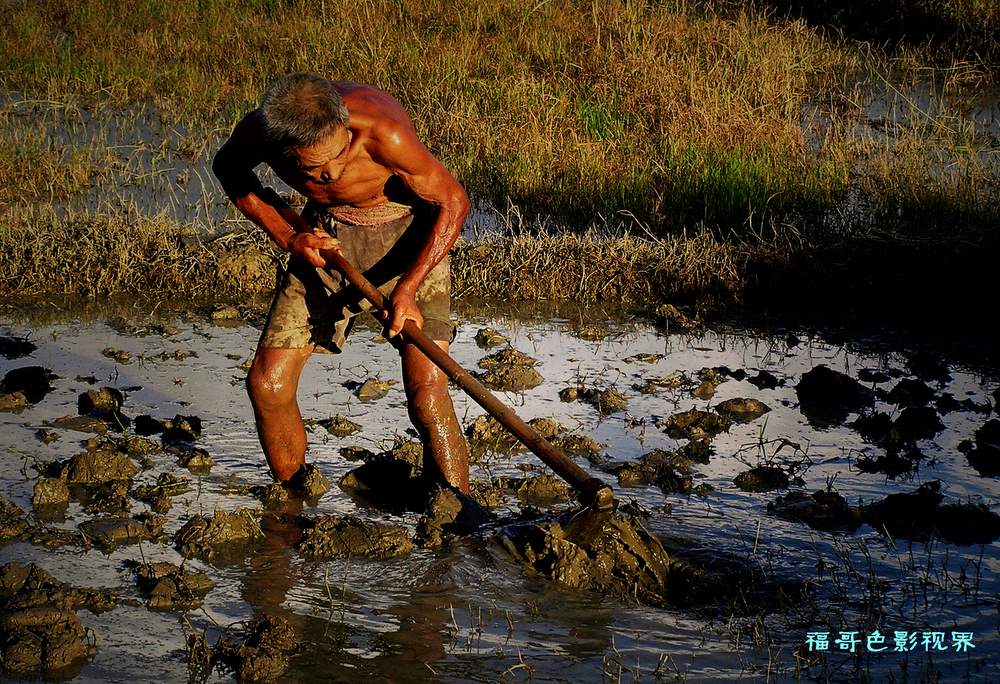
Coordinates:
column 469, row 612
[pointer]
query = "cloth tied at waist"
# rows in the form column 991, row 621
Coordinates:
column 370, row 216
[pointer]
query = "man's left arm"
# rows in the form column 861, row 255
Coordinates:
column 399, row 149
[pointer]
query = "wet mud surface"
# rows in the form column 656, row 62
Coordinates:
column 769, row 485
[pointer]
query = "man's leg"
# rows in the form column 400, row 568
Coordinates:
column 272, row 383
column 433, row 414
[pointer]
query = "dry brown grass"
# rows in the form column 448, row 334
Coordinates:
column 114, row 255
column 110, row 255
column 592, row 266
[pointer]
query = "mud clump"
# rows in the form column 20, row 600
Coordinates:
column 947, row 403
column 373, row 389
column 762, row 479
column 46, row 436
column 913, row 423
column 695, row 424
column 704, row 390
column 355, row 453
column 697, row 451
column 13, row 402
column 920, row 514
column 486, row 494
column 99, row 465
column 543, row 490
column 136, row 447
column 273, row 496
column 593, row 333
column 486, row 433
column 918, row 422
column 927, row 366
column 667, row 470
column 104, row 403
column 309, row 482
column 386, row 484
column 117, row 355
column 12, row 522
column 328, row 536
column 196, row 460
column 449, row 513
column 507, row 357
column 49, row 496
column 42, row 640
column 34, row 382
column 643, row 358
column 910, row 392
column 984, row 454
column 109, row 533
column 765, row 380
column 827, row 396
column 147, row 425
column 607, row 553
column 28, row 586
column 673, row 381
column 821, row 510
column 710, row 379
column 39, row 630
column 89, row 424
column 158, row 495
column 742, row 410
column 606, row 401
column 16, row 347
column 877, row 428
column 391, row 481
column 339, row 426
column 169, row 587
column 580, row 445
column 260, row 651
column 511, row 377
column 181, row 430
column 109, row 498
column 487, row 338
column 893, row 463
column 222, row 536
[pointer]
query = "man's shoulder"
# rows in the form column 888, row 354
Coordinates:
column 370, row 106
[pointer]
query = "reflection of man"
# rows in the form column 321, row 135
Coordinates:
column 376, row 194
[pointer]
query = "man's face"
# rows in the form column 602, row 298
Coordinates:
column 324, row 162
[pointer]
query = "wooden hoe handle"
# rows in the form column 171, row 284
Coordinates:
column 591, row 492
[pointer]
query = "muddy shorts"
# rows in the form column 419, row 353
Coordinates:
column 311, row 308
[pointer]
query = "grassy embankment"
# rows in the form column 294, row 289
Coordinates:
column 736, row 145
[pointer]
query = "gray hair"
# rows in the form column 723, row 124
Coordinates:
column 301, row 109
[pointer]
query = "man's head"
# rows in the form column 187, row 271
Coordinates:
column 305, row 117
column 301, row 110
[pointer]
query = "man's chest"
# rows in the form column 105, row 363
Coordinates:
column 361, row 183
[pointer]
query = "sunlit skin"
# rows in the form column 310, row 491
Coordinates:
column 350, row 167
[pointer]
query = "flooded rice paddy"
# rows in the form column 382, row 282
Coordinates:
column 467, row 610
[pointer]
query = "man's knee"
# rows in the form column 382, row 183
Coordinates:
column 427, row 400
column 270, row 384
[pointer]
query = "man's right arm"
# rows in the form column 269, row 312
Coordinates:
column 234, row 166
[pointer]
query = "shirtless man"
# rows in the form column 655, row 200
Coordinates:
column 379, row 197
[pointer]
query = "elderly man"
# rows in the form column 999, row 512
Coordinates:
column 379, row 197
